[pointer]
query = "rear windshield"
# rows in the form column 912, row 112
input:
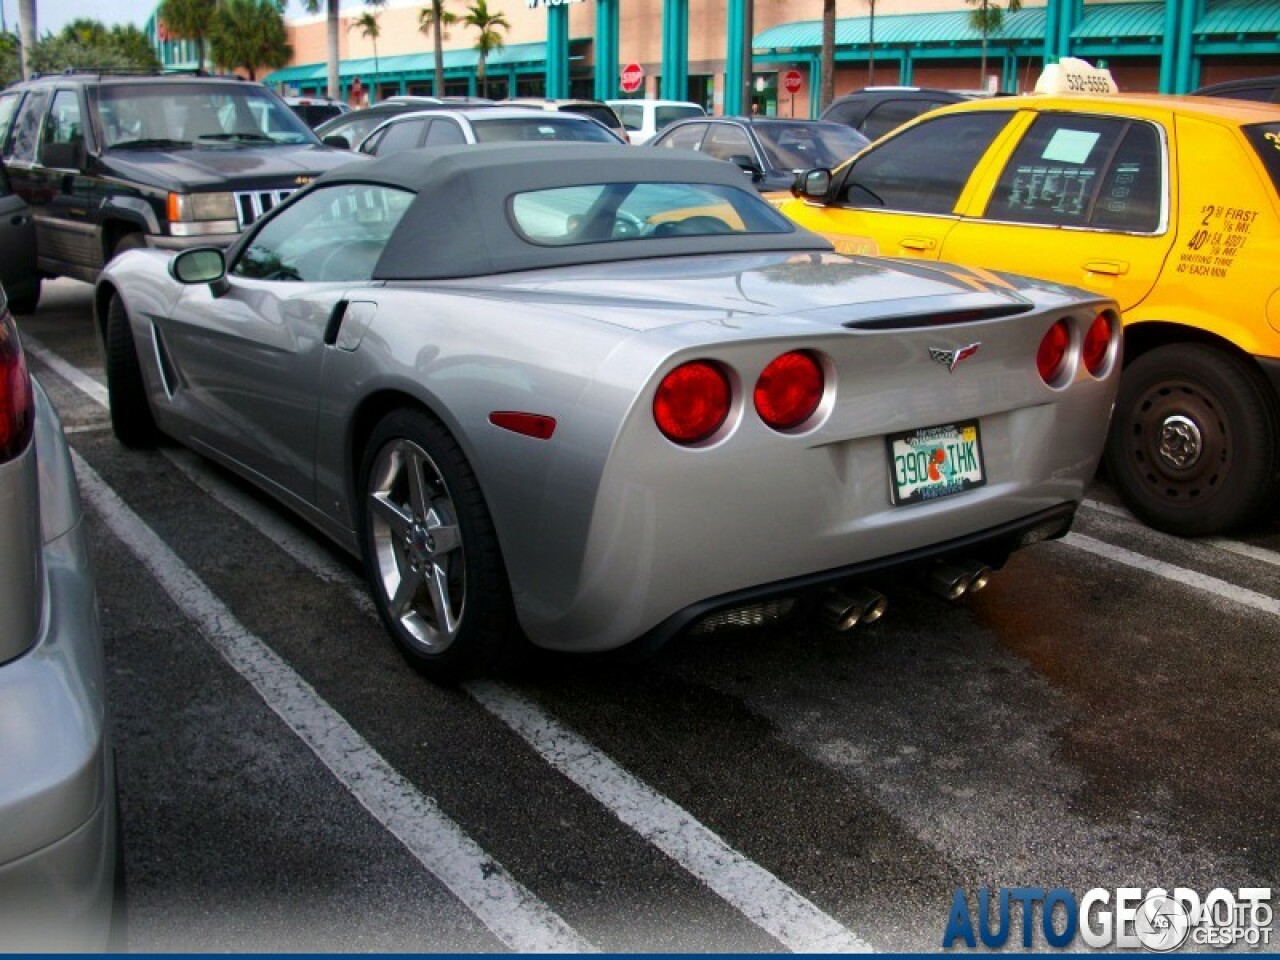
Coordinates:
column 1265, row 138
column 604, row 212
column 539, row 127
column 596, row 112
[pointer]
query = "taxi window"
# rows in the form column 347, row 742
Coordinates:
column 923, row 169
column 1073, row 170
column 1265, row 138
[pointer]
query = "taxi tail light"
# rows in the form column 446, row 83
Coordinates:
column 789, row 390
column 17, row 405
column 692, row 402
column 1097, row 342
column 1052, row 355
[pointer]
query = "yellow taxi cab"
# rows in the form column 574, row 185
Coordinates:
column 1170, row 205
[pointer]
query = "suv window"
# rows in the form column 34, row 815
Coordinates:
column 443, row 130
column 332, row 234
column 8, row 109
column 65, row 127
column 662, row 116
column 892, row 114
column 1073, row 170
column 26, row 130
column 923, row 169
column 631, row 115
column 405, row 135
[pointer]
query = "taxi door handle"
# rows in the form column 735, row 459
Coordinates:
column 918, row 243
column 1113, row 268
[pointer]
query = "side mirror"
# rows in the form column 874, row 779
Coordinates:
column 199, row 265
column 813, row 184
column 337, row 140
column 748, row 166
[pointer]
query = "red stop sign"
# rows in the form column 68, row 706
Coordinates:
column 792, row 81
column 632, row 77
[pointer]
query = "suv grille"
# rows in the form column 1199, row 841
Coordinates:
column 251, row 204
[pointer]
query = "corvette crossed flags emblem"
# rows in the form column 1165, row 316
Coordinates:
column 952, row 357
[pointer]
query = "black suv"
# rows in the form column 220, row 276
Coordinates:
column 110, row 162
column 874, row 111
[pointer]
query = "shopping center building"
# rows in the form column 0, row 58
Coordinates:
column 697, row 50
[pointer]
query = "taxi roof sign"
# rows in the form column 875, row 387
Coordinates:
column 1071, row 75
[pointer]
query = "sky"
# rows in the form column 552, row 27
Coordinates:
column 52, row 15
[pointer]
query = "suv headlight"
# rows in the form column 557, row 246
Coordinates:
column 201, row 206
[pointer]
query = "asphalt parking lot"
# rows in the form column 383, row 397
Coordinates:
column 1103, row 715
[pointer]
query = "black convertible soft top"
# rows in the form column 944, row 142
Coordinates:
column 458, row 225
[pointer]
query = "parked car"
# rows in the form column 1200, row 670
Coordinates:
column 18, row 272
column 108, row 162
column 596, row 395
column 643, row 119
column 595, row 109
column 489, row 125
column 772, row 149
column 1262, row 89
column 1169, row 205
column 60, row 879
column 874, row 111
column 315, row 110
column 349, row 130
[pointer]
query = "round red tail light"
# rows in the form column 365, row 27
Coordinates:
column 692, row 402
column 789, row 390
column 1052, row 354
column 17, row 406
column 1096, row 343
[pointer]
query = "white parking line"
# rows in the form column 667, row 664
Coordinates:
column 760, row 896
column 514, row 915
column 1260, row 554
column 1190, row 578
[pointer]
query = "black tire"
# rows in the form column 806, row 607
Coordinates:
column 1193, row 447
column 467, row 627
column 131, row 417
column 27, row 303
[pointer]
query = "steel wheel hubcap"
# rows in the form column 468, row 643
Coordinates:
column 417, row 545
column 1180, row 442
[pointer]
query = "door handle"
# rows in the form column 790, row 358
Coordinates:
column 918, row 243
column 18, row 219
column 1114, row 268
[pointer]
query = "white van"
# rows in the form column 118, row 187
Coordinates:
column 644, row 118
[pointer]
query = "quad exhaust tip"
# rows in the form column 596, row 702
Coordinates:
column 842, row 610
column 951, row 581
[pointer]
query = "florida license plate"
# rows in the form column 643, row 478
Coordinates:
column 933, row 462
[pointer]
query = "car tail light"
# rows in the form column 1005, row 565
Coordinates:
column 1052, row 355
column 692, row 402
column 789, row 390
column 1096, row 344
column 17, row 406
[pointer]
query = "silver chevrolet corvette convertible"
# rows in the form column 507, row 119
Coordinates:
column 593, row 397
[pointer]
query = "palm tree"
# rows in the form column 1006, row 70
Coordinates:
column 249, row 34
column 27, row 33
column 331, row 36
column 436, row 20
column 827, row 88
column 987, row 17
column 367, row 23
column 490, row 40
column 188, row 20
column 871, row 45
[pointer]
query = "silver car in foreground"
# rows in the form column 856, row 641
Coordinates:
column 59, row 857
column 596, row 396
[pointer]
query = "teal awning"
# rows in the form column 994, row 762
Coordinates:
column 1225, row 19
column 513, row 55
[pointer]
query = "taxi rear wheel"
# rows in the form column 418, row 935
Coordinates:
column 1193, row 446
